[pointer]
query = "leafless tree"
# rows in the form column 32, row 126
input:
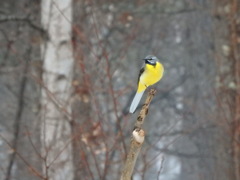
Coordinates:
column 192, row 125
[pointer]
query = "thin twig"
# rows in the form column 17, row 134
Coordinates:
column 30, row 167
column 26, row 19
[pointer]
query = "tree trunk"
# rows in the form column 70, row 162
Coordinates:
column 56, row 90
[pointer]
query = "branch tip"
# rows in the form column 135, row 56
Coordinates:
column 152, row 91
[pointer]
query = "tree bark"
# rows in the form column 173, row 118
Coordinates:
column 57, row 77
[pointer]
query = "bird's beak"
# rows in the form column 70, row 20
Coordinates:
column 147, row 60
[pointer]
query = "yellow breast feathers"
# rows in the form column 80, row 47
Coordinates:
column 151, row 75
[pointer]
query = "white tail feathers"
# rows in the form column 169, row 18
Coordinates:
column 135, row 101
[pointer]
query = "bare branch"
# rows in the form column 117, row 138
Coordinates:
column 17, row 122
column 27, row 20
column 135, row 147
column 144, row 110
column 138, row 136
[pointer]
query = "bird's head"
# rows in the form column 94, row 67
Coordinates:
column 150, row 59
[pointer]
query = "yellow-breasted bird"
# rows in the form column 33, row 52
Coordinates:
column 149, row 74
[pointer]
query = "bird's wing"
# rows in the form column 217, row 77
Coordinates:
column 140, row 73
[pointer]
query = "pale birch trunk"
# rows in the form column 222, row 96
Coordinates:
column 57, row 77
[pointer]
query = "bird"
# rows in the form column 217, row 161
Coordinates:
column 151, row 72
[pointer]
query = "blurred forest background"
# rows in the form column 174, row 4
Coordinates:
column 68, row 72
